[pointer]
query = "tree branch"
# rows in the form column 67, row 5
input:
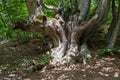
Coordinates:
column 84, row 9
column 30, row 27
column 56, row 9
column 95, row 22
column 100, row 14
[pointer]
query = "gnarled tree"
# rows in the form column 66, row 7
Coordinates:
column 70, row 29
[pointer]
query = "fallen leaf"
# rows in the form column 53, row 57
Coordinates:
column 63, row 76
column 109, row 59
column 12, row 75
column 106, row 75
column 107, row 69
column 116, row 74
column 101, row 73
column 83, row 70
column 84, row 75
column 27, row 79
column 88, row 66
column 6, row 78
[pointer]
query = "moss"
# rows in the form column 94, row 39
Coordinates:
column 53, row 20
column 40, row 18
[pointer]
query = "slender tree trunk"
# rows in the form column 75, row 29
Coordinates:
column 114, row 27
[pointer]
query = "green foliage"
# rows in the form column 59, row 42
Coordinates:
column 24, row 63
column 10, row 12
column 14, row 10
column 43, row 60
column 50, row 13
column 109, row 52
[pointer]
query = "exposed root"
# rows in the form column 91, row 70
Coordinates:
column 62, row 55
column 85, row 53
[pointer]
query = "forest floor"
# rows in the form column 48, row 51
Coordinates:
column 18, row 58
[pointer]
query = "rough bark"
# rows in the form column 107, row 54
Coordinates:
column 69, row 35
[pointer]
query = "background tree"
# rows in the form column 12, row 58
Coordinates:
column 115, row 24
column 70, row 29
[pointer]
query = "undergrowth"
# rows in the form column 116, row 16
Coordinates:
column 109, row 52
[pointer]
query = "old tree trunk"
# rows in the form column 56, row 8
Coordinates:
column 69, row 30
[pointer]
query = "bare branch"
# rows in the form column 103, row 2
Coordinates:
column 56, row 9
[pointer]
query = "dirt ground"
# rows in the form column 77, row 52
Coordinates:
column 17, row 58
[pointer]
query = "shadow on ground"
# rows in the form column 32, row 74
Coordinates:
column 18, row 57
